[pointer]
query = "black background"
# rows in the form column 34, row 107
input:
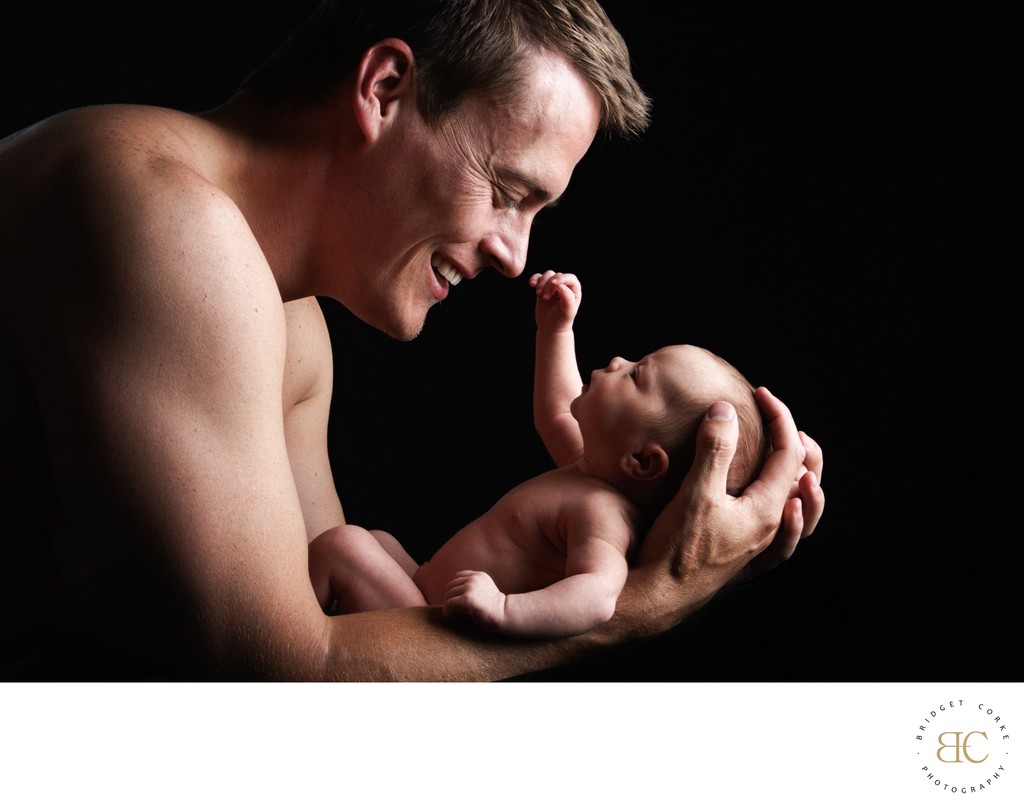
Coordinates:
column 822, row 198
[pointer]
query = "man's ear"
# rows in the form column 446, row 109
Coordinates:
column 384, row 76
column 648, row 463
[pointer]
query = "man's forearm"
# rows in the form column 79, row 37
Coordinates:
column 422, row 645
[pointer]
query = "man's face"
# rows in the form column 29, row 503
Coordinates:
column 460, row 196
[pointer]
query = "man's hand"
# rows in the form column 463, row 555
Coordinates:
column 705, row 538
column 803, row 508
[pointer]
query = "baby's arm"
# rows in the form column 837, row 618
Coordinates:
column 557, row 378
column 596, row 570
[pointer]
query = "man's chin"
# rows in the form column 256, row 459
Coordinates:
column 404, row 337
column 405, row 331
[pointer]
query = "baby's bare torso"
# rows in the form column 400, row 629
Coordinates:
column 523, row 541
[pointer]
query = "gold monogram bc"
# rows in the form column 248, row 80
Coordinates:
column 965, row 746
column 961, row 744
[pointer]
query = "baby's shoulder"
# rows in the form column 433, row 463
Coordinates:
column 574, row 492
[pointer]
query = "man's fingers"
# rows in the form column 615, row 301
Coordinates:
column 788, row 537
column 814, row 459
column 716, row 445
column 812, row 499
column 783, row 464
column 780, row 420
column 808, row 486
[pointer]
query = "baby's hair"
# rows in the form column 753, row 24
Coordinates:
column 679, row 430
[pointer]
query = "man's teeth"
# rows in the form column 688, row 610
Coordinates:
column 446, row 271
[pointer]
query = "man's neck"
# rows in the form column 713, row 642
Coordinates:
column 277, row 162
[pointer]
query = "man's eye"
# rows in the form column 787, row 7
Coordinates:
column 632, row 373
column 506, row 200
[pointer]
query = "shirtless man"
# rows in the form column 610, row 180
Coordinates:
column 170, row 370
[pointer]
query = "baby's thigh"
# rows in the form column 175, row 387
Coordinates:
column 393, row 547
column 348, row 545
column 351, row 569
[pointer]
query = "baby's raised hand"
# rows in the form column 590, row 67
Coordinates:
column 475, row 594
column 558, row 299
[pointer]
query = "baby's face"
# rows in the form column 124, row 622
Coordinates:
column 621, row 403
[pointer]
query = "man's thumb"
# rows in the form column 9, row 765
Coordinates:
column 716, row 445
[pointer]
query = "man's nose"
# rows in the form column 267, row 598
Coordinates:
column 616, row 363
column 506, row 249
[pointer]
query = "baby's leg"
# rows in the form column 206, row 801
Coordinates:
column 351, row 571
column 396, row 551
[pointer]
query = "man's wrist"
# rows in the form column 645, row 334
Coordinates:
column 655, row 601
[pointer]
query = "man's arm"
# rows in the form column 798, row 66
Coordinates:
column 308, row 383
column 556, row 375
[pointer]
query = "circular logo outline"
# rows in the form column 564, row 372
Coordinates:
column 962, row 747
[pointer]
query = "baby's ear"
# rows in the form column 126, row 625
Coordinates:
column 649, row 463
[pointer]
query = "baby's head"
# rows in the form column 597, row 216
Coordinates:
column 641, row 418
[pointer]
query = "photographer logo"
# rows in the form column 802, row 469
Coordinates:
column 963, row 747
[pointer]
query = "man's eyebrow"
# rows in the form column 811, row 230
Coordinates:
column 538, row 192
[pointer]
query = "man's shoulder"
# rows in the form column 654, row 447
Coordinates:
column 124, row 222
column 133, row 172
column 71, row 143
column 146, row 156
column 159, row 178
column 129, row 160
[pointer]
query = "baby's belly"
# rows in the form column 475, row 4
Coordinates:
column 513, row 567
